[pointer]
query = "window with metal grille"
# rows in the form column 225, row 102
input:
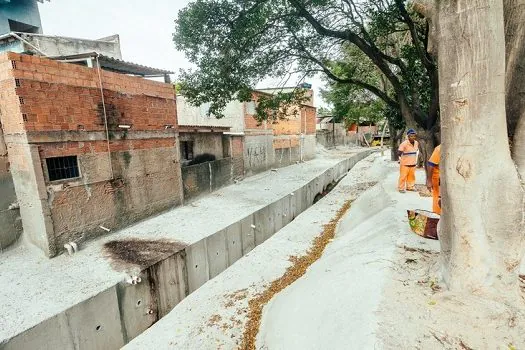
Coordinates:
column 186, row 150
column 60, row 168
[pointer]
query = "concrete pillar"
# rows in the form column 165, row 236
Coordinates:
column 28, row 178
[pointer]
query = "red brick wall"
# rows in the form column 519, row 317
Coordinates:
column 249, row 121
column 237, row 155
column 311, row 114
column 294, row 125
column 289, row 142
column 59, row 107
column 9, row 103
column 59, row 96
column 57, row 149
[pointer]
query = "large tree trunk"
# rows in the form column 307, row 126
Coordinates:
column 482, row 223
column 427, row 144
column 514, row 13
column 395, row 140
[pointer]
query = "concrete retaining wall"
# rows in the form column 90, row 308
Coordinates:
column 327, row 139
column 114, row 317
column 206, row 177
column 259, row 154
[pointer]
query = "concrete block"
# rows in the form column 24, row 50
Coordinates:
column 264, row 225
column 48, row 335
column 286, row 211
column 217, row 253
column 310, row 194
column 349, row 164
column 248, row 234
column 168, row 279
column 333, row 174
column 276, row 211
column 293, row 206
column 95, row 323
column 318, row 184
column 352, row 162
column 234, row 242
column 138, row 308
column 197, row 265
column 300, row 201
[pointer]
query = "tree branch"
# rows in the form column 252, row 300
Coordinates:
column 371, row 51
column 427, row 62
column 373, row 89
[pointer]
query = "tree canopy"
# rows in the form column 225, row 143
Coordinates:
column 235, row 44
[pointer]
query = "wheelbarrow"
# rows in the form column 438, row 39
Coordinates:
column 423, row 223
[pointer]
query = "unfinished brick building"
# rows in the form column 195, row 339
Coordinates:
column 280, row 143
column 264, row 145
column 87, row 149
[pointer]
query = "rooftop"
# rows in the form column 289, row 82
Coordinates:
column 115, row 65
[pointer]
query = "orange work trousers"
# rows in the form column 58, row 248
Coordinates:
column 407, row 177
column 435, row 194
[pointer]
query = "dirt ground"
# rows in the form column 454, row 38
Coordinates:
column 417, row 313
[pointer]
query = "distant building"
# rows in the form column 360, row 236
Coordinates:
column 20, row 16
column 265, row 145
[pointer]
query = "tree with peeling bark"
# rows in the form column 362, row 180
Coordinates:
column 481, row 51
column 235, row 44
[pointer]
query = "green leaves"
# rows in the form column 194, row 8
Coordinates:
column 365, row 47
column 279, row 106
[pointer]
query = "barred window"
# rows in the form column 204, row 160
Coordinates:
column 60, row 168
column 186, row 150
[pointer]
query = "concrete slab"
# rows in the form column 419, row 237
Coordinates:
column 48, row 335
column 217, row 253
column 135, row 302
column 286, row 216
column 169, row 280
column 318, row 184
column 310, row 194
column 300, row 200
column 263, row 230
column 234, row 242
column 197, row 265
column 248, row 234
column 276, row 211
column 95, row 323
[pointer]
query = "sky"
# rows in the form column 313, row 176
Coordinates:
column 145, row 29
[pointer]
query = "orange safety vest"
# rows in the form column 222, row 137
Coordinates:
column 409, row 153
column 434, row 161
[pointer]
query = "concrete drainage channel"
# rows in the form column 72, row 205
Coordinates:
column 115, row 316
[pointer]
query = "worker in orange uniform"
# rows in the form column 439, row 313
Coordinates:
column 433, row 182
column 408, row 152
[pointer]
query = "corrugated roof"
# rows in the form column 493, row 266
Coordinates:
column 117, row 65
column 183, row 128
